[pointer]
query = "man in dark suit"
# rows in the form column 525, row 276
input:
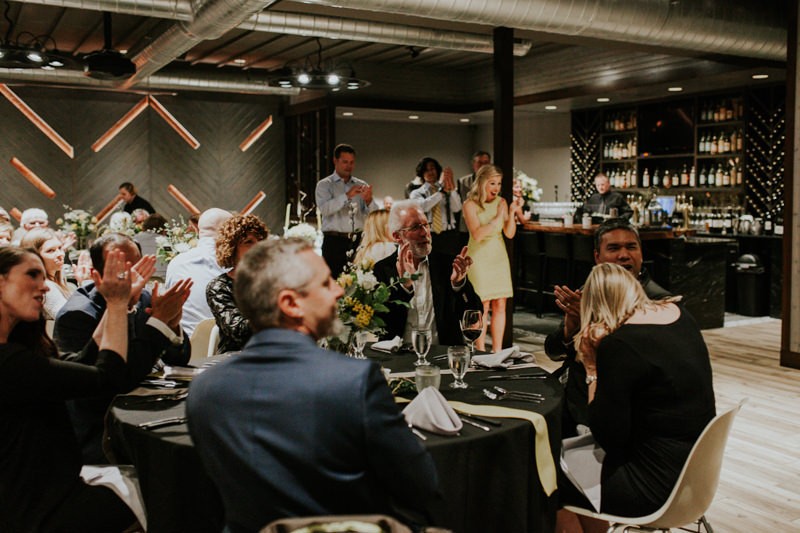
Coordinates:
column 286, row 428
column 615, row 241
column 152, row 335
column 439, row 297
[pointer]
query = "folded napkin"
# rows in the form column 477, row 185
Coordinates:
column 122, row 479
column 503, row 358
column 390, row 346
column 431, row 412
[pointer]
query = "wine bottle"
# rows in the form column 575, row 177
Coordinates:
column 702, row 179
column 646, row 178
column 656, row 178
column 692, row 178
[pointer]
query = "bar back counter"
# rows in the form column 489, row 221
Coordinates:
column 682, row 262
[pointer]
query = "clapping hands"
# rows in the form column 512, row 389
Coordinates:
column 168, row 307
column 115, row 283
column 446, row 180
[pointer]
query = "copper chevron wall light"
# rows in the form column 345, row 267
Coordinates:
column 252, row 204
column 172, row 121
column 37, row 121
column 35, row 180
column 189, row 206
column 16, row 213
column 121, row 124
column 101, row 216
column 256, row 134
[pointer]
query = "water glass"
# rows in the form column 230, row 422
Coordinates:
column 427, row 376
column 421, row 342
column 458, row 357
column 359, row 341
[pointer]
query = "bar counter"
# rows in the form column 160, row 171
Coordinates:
column 679, row 261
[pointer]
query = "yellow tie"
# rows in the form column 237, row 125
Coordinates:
column 436, row 216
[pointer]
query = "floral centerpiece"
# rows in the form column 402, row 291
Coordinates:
column 304, row 231
column 78, row 222
column 175, row 239
column 531, row 192
column 364, row 300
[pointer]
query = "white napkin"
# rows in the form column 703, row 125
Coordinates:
column 503, row 358
column 431, row 412
column 390, row 346
column 122, row 479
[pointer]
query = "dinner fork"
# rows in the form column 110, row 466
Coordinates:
column 521, row 394
column 497, row 397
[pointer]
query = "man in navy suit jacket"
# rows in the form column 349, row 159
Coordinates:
column 286, row 428
column 152, row 335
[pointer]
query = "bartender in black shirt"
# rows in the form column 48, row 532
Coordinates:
column 604, row 200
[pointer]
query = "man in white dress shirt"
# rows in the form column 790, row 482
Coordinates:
column 344, row 201
column 199, row 264
column 440, row 202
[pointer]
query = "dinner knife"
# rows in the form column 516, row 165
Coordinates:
column 471, row 423
column 480, row 419
column 518, row 376
column 173, row 420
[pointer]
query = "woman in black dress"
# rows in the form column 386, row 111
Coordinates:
column 40, row 463
column 650, row 390
column 235, row 237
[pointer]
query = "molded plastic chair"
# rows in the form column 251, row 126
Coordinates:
column 205, row 339
column 342, row 524
column 693, row 492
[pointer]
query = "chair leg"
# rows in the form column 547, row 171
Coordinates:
column 706, row 525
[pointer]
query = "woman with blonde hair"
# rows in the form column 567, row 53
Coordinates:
column 489, row 217
column 650, row 393
column 376, row 242
column 46, row 243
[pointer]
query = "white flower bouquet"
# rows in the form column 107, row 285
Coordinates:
column 176, row 239
column 531, row 191
column 79, row 222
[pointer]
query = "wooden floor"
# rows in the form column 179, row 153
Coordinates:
column 759, row 491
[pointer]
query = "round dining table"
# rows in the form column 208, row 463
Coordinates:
column 489, row 479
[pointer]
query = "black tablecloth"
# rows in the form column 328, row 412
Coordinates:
column 488, row 479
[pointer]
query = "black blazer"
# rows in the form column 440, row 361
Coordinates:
column 75, row 323
column 448, row 304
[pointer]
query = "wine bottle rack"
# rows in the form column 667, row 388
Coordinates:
column 765, row 153
column 585, row 152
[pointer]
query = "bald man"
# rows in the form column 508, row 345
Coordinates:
column 199, row 264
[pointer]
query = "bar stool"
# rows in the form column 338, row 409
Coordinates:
column 582, row 259
column 557, row 263
column 529, row 257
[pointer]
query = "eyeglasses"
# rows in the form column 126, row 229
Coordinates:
column 417, row 227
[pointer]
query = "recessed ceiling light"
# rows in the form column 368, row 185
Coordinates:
column 464, row 120
column 240, row 61
column 675, row 89
column 603, row 99
column 413, row 117
column 551, row 107
column 347, row 114
column 123, row 51
column 760, row 76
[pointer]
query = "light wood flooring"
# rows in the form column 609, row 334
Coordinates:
column 759, row 490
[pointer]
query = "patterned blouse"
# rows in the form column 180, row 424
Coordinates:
column 234, row 329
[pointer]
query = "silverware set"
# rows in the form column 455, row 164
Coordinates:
column 171, row 421
column 499, row 393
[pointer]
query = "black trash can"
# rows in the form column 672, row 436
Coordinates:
column 752, row 292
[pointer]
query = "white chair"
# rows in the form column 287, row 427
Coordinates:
column 693, row 492
column 204, row 339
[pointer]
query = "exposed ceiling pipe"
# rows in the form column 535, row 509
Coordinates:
column 171, row 79
column 212, row 20
column 307, row 25
column 731, row 27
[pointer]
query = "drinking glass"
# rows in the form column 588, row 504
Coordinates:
column 471, row 326
column 458, row 357
column 421, row 342
column 359, row 341
column 427, row 376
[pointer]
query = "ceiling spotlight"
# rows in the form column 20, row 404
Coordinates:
column 239, row 61
column 675, row 89
column 303, row 78
column 603, row 99
column 464, row 120
column 347, row 114
column 413, row 117
column 760, row 76
column 35, row 56
column 332, row 79
column 551, row 107
column 315, row 75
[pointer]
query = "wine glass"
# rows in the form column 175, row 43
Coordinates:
column 421, row 341
column 458, row 358
column 359, row 341
column 471, row 326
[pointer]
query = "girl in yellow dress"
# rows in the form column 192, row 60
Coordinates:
column 488, row 217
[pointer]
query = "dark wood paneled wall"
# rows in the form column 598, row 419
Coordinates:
column 148, row 152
